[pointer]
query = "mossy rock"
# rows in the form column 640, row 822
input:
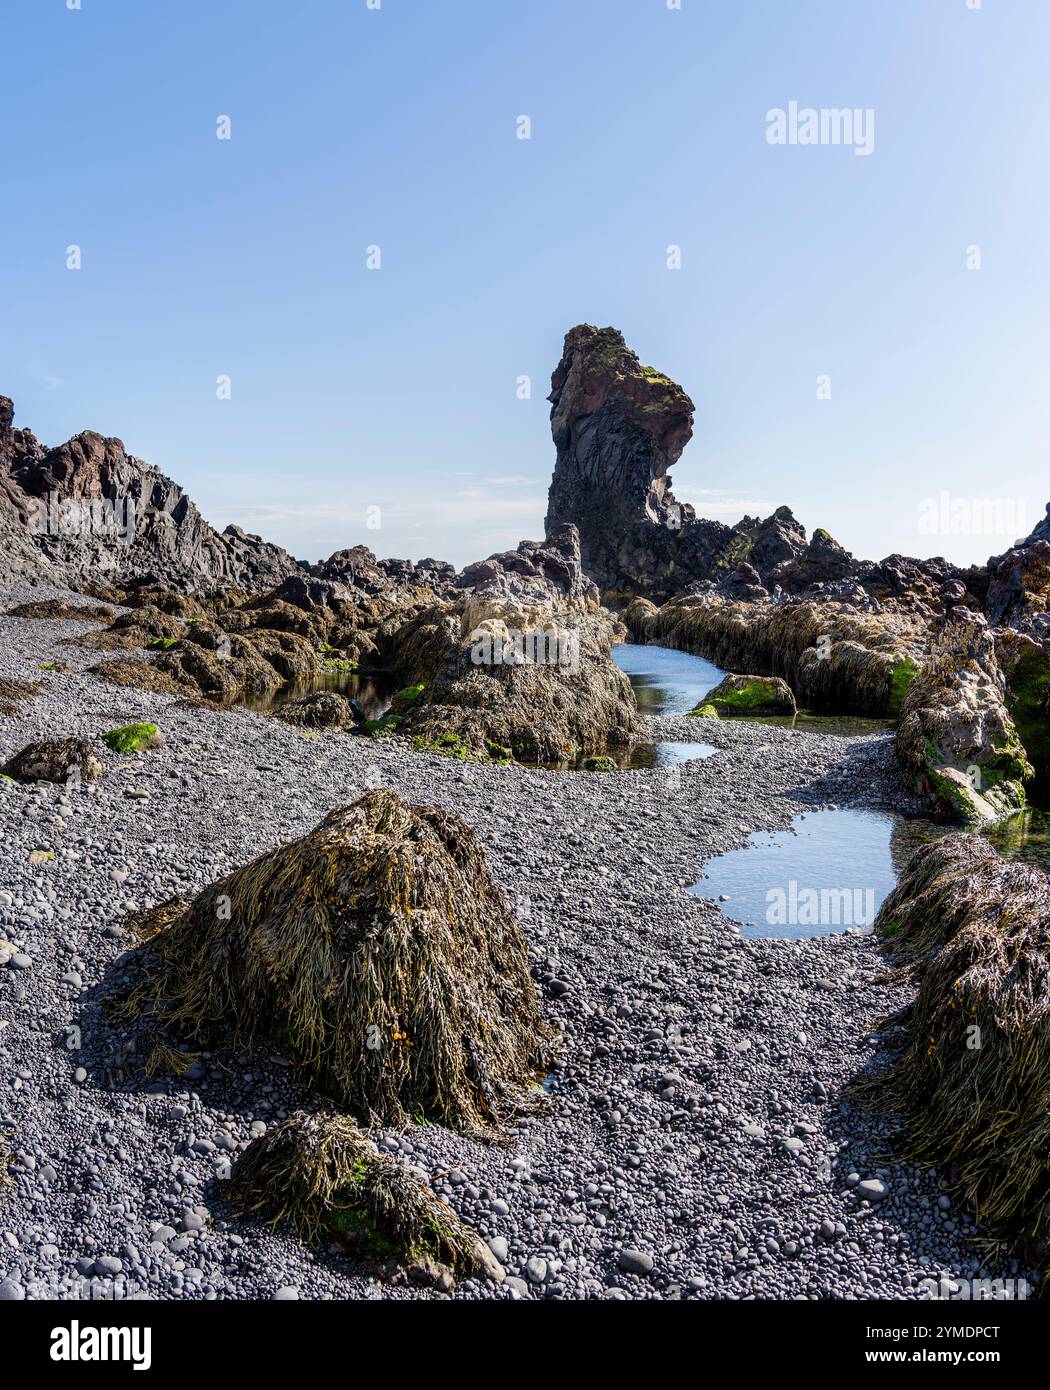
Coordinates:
column 339, row 663
column 704, row 711
column 449, row 745
column 385, row 727
column 405, row 699
column 749, row 696
column 161, row 644
column 133, row 738
column 902, row 673
column 600, row 764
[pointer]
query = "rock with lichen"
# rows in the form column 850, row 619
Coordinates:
column 54, row 760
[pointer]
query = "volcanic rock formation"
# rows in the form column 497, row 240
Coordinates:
column 618, row 427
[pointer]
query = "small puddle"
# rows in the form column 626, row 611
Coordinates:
column 666, row 682
column 832, row 870
column 372, row 692
column 667, row 754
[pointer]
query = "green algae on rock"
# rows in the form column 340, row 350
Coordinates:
column 133, row 738
column 749, row 696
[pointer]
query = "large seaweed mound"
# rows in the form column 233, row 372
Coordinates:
column 324, row 1177
column 973, row 1080
column 377, row 951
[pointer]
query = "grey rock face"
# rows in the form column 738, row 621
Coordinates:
column 87, row 511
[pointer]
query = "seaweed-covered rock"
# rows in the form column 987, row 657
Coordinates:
column 54, row 760
column 541, row 682
column 142, row 675
column 955, row 738
column 139, row 627
column 377, row 952
column 324, row 709
column 61, row 610
column 749, row 696
column 291, row 655
column 325, row 1178
column 219, row 666
column 973, row 1078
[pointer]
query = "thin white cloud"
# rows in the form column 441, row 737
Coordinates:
column 713, row 501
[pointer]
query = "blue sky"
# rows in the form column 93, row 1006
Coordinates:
column 354, row 388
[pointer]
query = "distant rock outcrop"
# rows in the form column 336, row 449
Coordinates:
column 87, row 511
column 1019, row 580
column 618, row 427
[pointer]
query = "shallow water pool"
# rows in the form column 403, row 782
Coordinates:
column 833, row 869
column 372, row 692
column 666, row 681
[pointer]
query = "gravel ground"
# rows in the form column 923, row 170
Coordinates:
column 697, row 1143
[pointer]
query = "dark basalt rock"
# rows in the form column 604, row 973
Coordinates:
column 1019, row 580
column 538, row 571
column 618, row 428
column 392, row 580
